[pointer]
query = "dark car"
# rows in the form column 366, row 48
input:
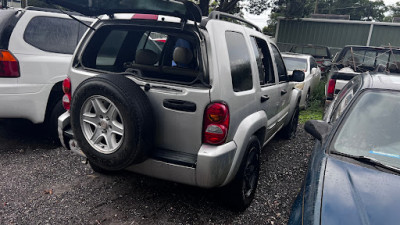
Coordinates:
column 322, row 54
column 353, row 175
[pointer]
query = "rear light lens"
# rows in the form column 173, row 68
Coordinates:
column 331, row 89
column 66, row 100
column 145, row 17
column 216, row 123
column 9, row 65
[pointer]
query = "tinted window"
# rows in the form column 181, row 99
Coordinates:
column 264, row 61
column 240, row 61
column 53, row 34
column 109, row 49
column 313, row 63
column 8, row 19
column 344, row 97
column 280, row 65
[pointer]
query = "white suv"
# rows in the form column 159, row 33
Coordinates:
column 196, row 109
column 36, row 47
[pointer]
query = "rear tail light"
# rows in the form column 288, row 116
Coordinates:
column 215, row 123
column 331, row 89
column 9, row 66
column 66, row 100
column 145, row 17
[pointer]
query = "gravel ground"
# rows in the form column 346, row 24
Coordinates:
column 42, row 183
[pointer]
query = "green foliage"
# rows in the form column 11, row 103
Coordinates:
column 316, row 110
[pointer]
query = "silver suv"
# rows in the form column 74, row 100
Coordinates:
column 176, row 96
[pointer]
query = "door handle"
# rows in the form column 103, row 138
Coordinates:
column 179, row 105
column 264, row 98
column 283, row 92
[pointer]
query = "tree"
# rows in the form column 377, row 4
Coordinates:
column 230, row 6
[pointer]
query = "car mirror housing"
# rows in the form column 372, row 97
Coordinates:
column 318, row 129
column 297, row 76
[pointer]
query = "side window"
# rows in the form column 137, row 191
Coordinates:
column 344, row 97
column 280, row 65
column 264, row 61
column 51, row 34
column 313, row 63
column 110, row 48
column 239, row 58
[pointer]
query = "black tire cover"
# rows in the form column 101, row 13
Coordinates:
column 136, row 112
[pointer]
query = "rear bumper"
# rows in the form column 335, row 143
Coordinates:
column 211, row 168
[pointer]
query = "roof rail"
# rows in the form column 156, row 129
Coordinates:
column 33, row 8
column 216, row 15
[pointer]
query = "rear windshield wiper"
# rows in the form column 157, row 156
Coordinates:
column 368, row 160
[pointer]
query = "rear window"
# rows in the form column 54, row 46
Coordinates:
column 315, row 51
column 295, row 64
column 8, row 19
column 57, row 35
column 147, row 53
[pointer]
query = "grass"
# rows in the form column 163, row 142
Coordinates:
column 316, row 109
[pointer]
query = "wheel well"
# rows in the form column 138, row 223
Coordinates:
column 260, row 134
column 55, row 94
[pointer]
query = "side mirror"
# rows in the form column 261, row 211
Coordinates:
column 318, row 129
column 297, row 76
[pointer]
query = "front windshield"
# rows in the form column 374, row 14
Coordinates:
column 295, row 64
column 372, row 128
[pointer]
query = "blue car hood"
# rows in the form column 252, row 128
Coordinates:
column 353, row 194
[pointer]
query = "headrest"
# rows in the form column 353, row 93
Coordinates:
column 182, row 55
column 146, row 57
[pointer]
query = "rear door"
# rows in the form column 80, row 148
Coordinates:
column 178, row 101
column 284, row 87
column 269, row 90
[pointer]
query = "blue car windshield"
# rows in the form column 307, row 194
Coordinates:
column 372, row 128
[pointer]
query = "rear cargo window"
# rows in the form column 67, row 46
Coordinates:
column 239, row 58
column 51, row 34
column 146, row 53
column 8, row 20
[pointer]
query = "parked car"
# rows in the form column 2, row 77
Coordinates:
column 312, row 72
column 322, row 54
column 197, row 113
column 353, row 60
column 353, row 173
column 36, row 47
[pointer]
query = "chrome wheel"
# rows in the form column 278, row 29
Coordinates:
column 102, row 124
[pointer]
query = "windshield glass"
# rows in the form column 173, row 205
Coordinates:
column 317, row 52
column 295, row 64
column 372, row 128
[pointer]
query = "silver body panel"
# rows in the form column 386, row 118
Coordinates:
column 182, row 131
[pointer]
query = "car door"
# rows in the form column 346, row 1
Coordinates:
column 269, row 91
column 284, row 87
column 315, row 73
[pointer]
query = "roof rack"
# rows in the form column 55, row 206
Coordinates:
column 216, row 15
column 33, row 8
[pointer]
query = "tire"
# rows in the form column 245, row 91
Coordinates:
column 51, row 123
column 240, row 192
column 100, row 170
column 289, row 131
column 112, row 121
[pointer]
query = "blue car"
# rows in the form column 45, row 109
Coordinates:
column 353, row 173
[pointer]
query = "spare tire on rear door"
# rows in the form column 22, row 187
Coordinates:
column 112, row 121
